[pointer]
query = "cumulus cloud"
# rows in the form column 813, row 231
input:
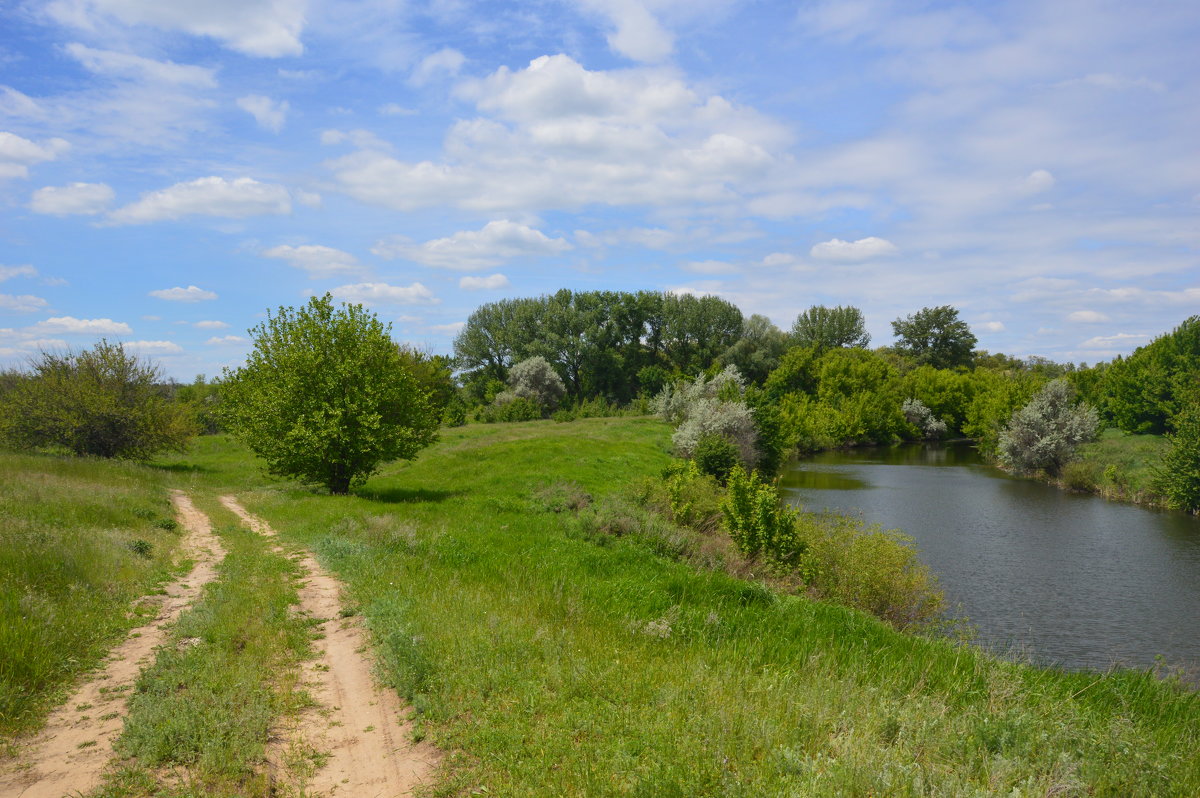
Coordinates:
column 453, row 328
column 446, row 61
column 75, row 199
column 555, row 135
column 22, row 303
column 1087, row 317
column 190, row 294
column 8, row 272
column 1114, row 343
column 267, row 28
column 207, row 196
column 225, row 340
column 992, row 326
column 638, row 34
column 270, row 114
column 851, row 251
column 129, row 66
column 490, row 283
column 210, row 325
column 468, row 250
column 1038, row 181
column 70, row 324
column 152, row 347
column 17, row 154
column 317, row 260
column 384, row 294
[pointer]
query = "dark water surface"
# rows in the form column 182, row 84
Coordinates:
column 1062, row 578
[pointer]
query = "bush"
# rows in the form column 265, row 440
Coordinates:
column 761, row 527
column 510, row 408
column 1178, row 478
column 101, row 401
column 715, row 456
column 928, row 426
column 1044, row 434
column 535, row 379
column 732, row 421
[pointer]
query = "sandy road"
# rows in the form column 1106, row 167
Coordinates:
column 357, row 723
column 69, row 755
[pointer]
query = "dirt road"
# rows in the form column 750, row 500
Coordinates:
column 70, row 754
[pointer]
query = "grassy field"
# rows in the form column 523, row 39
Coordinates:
column 79, row 541
column 1117, row 466
column 547, row 663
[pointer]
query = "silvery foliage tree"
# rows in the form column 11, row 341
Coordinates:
column 1043, row 435
column 534, row 379
column 710, row 407
column 921, row 417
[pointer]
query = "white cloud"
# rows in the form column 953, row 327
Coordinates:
column 1113, row 343
column 778, row 259
column 70, row 324
column 268, row 28
column 82, row 199
column 207, row 196
column 190, row 294
column 317, row 260
column 862, row 249
column 1087, row 317
column 135, row 67
column 210, row 325
column 638, row 34
column 446, row 61
column 17, row 154
column 384, row 294
column 22, row 303
column 1038, row 181
column 270, row 114
column 1104, row 80
column 225, row 339
column 453, row 328
column 992, row 326
column 468, row 250
column 391, row 109
column 8, row 272
column 152, row 347
column 490, row 283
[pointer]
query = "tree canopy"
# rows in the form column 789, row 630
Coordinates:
column 827, row 328
column 326, row 396
column 103, row 401
column 935, row 336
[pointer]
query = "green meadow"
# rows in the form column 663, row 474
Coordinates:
column 546, row 660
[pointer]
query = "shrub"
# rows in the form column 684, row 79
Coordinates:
column 732, row 421
column 101, row 401
column 1178, row 478
column 715, row 456
column 562, row 497
column 916, row 413
column 510, row 408
column 761, row 527
column 1044, row 434
column 535, row 379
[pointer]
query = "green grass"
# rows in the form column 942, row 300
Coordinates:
column 80, row 539
column 548, row 664
column 228, row 672
column 1118, row 466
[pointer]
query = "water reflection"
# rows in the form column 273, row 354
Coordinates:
column 1073, row 579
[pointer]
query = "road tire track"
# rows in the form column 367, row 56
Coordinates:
column 69, row 755
column 359, row 725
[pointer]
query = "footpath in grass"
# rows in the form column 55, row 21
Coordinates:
column 550, row 664
column 80, row 541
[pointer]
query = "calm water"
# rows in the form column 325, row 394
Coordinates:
column 1062, row 578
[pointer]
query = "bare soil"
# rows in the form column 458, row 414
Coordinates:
column 358, row 728
column 71, row 752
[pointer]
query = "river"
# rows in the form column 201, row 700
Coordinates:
column 1043, row 574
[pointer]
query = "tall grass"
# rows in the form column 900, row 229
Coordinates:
column 1118, row 466
column 80, row 539
column 552, row 663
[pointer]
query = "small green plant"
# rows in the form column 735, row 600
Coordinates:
column 562, row 497
column 142, row 548
column 169, row 524
column 716, row 456
column 760, row 526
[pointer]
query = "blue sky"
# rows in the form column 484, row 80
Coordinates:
column 169, row 171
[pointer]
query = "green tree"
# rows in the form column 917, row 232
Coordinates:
column 1178, row 478
column 102, row 401
column 1148, row 388
column 757, row 353
column 325, row 396
column 935, row 336
column 828, row 328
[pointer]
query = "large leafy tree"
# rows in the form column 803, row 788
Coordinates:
column 325, row 396
column 1147, row 389
column 936, row 336
column 102, row 401
column 1178, row 478
column 828, row 328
